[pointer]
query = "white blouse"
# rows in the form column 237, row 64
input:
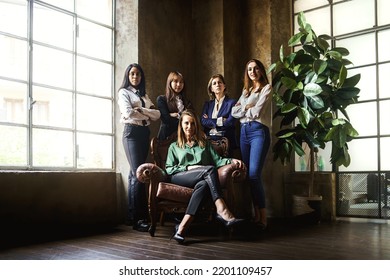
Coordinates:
column 129, row 102
column 261, row 112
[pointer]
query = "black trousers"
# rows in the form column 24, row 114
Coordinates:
column 204, row 181
column 136, row 145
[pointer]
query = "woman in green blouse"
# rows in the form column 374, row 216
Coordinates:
column 193, row 162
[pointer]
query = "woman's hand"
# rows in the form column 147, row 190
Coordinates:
column 205, row 116
column 174, row 115
column 138, row 109
column 248, row 106
column 238, row 163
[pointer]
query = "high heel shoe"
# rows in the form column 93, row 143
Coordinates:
column 230, row 223
column 177, row 236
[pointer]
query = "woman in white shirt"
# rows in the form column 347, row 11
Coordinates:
column 137, row 111
column 254, row 111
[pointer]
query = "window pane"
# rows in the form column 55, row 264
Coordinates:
column 367, row 75
column 357, row 46
column 383, row 12
column 383, row 45
column 91, row 35
column 384, row 117
column 93, row 77
column 365, row 124
column 64, row 4
column 100, row 11
column 302, row 5
column 13, row 58
column 13, row 98
column 384, row 74
column 13, row 148
column 52, row 148
column 61, row 35
column 13, row 17
column 95, row 151
column 52, row 67
column 353, row 15
column 385, row 152
column 364, row 155
column 318, row 19
column 52, row 107
column 94, row 114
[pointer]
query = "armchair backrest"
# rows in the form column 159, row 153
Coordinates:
column 159, row 149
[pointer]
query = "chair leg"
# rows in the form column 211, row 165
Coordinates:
column 162, row 218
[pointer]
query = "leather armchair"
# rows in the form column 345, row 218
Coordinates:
column 166, row 197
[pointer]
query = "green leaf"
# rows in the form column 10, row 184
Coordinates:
column 304, row 59
column 335, row 55
column 325, row 37
column 297, row 148
column 347, row 93
column 288, row 108
column 309, row 37
column 312, row 89
column 342, row 75
column 322, row 44
column 303, row 116
column 290, row 59
column 286, row 135
column 312, row 51
column 281, row 54
column 271, row 68
column 319, row 66
column 316, row 102
column 301, row 20
column 351, row 131
column 289, row 83
column 341, row 51
column 352, row 81
column 295, row 39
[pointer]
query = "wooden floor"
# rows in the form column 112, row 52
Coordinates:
column 281, row 241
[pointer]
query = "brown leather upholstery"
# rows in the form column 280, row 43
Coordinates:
column 165, row 197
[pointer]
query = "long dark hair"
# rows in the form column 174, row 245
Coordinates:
column 171, row 96
column 126, row 82
column 263, row 78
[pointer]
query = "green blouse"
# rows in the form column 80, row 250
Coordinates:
column 179, row 158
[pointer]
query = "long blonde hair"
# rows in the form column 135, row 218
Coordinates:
column 199, row 136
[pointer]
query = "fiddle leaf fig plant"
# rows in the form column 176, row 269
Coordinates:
column 311, row 90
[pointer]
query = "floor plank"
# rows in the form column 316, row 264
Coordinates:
column 281, row 241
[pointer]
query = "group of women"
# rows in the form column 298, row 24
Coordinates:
column 191, row 160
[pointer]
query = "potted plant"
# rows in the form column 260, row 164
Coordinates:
column 311, row 90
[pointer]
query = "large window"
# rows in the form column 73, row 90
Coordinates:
column 56, row 84
column 362, row 26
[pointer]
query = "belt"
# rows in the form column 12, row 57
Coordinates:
column 137, row 125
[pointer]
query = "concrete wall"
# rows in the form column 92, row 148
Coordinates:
column 198, row 38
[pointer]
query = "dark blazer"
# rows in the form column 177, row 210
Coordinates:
column 229, row 124
column 168, row 124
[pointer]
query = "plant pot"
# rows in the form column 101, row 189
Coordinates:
column 307, row 209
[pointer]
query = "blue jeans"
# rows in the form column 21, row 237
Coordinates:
column 254, row 143
column 136, row 145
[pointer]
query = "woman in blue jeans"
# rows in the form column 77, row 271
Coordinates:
column 254, row 111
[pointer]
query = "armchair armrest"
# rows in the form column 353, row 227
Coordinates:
column 150, row 172
column 231, row 172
